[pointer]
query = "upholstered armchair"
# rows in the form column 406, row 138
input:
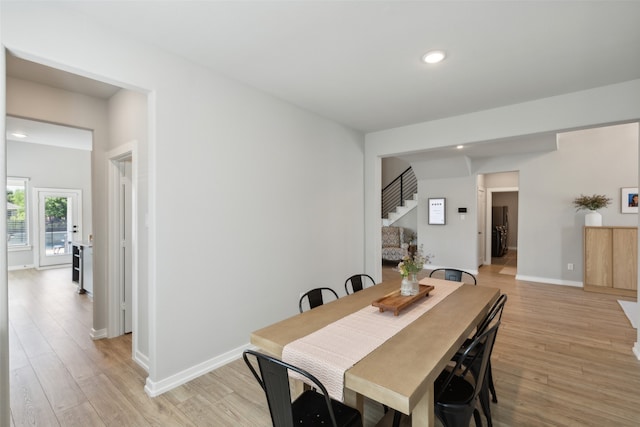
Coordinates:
column 393, row 245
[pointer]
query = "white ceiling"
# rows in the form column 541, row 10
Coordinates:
column 48, row 134
column 358, row 62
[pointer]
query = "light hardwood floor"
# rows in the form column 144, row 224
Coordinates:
column 562, row 358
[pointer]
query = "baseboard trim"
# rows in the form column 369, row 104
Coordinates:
column 98, row 334
column 142, row 360
column 20, row 267
column 636, row 350
column 549, row 281
column 51, row 267
column 156, row 388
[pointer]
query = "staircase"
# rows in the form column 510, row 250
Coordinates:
column 401, row 211
column 399, row 197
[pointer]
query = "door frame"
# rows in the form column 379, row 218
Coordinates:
column 115, row 325
column 37, row 228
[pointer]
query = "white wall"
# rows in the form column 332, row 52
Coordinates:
column 598, row 161
column 608, row 104
column 449, row 244
column 5, row 408
column 51, row 167
column 252, row 200
column 392, row 167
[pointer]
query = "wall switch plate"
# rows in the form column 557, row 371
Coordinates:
column 570, row 267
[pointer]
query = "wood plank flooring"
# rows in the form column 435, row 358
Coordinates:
column 562, row 358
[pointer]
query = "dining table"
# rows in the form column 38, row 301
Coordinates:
column 400, row 372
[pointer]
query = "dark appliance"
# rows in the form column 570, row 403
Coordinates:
column 500, row 230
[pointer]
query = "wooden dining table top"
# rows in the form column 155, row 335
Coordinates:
column 400, row 372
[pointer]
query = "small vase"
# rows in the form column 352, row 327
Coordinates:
column 406, row 287
column 415, row 286
column 593, row 219
column 409, row 285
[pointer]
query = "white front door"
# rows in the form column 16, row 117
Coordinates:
column 59, row 224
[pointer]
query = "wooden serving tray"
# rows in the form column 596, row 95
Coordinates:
column 396, row 302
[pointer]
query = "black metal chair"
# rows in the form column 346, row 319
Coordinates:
column 454, row 275
column 314, row 297
column 456, row 389
column 358, row 282
column 493, row 315
column 312, row 407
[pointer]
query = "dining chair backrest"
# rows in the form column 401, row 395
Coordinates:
column 454, row 403
column 494, row 314
column 312, row 407
column 454, row 275
column 358, row 282
column 315, row 297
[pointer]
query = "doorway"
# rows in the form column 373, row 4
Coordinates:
column 122, row 166
column 502, row 228
column 59, row 224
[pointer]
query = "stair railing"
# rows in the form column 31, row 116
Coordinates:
column 398, row 190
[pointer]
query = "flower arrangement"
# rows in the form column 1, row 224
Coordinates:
column 413, row 264
column 592, row 203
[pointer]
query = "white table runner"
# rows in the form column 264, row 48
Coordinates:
column 328, row 352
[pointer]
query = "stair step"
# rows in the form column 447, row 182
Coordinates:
column 401, row 211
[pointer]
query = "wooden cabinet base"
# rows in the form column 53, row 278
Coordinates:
column 613, row 291
column 611, row 260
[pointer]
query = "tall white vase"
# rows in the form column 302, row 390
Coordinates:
column 593, row 219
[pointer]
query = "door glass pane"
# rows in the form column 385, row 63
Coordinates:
column 57, row 230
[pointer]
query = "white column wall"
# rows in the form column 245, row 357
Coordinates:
column 5, row 409
column 128, row 111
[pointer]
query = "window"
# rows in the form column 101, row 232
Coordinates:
column 17, row 213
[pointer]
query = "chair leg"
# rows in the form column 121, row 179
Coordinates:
column 396, row 418
column 484, row 403
column 491, row 386
column 476, row 417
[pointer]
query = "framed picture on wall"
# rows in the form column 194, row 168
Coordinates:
column 629, row 200
column 437, row 211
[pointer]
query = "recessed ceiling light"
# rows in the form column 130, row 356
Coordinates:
column 433, row 56
column 19, row 134
column 460, row 147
